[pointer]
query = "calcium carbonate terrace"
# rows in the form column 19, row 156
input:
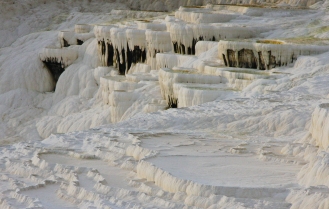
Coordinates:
column 206, row 107
column 181, row 40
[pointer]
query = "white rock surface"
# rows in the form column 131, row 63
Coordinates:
column 240, row 138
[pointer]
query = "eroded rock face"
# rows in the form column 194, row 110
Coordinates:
column 263, row 56
column 120, row 58
column 79, row 42
column 106, row 53
column 232, row 61
column 247, row 59
column 57, row 59
column 55, row 66
column 136, row 55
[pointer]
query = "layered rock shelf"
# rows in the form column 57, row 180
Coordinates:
column 167, row 79
column 66, row 38
column 108, row 84
column 190, row 94
column 157, row 42
column 185, row 36
column 120, row 101
column 81, row 33
column 170, row 60
column 57, row 59
column 149, row 25
column 264, row 54
column 82, row 28
column 203, row 16
column 170, row 53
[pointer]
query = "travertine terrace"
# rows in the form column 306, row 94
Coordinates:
column 218, row 105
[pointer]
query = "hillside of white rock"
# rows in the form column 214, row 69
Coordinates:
column 164, row 104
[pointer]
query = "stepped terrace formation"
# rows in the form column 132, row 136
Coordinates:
column 172, row 50
column 215, row 106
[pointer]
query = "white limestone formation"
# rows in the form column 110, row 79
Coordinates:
column 136, row 37
column 204, row 16
column 140, row 68
column 120, row 101
column 66, row 38
column 63, row 56
column 148, row 25
column 57, row 59
column 157, row 42
column 108, row 84
column 196, row 94
column 203, row 46
column 239, row 78
column 167, row 79
column 83, row 37
column 82, row 28
column 185, row 36
column 119, row 38
column 238, row 73
column 141, row 77
column 105, row 46
column 100, row 72
column 104, row 140
column 170, row 60
column 103, row 31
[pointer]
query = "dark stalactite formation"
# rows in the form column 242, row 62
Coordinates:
column 225, row 61
column 262, row 65
column 66, row 44
column 79, row 42
column 55, row 66
column 110, row 54
column 137, row 55
column 247, row 59
column 272, row 61
column 121, row 59
column 172, row 102
column 155, row 53
column 231, row 58
column 180, row 48
column 175, row 47
column 121, row 64
column 103, row 48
